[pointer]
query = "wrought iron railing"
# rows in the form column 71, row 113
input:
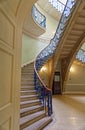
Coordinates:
column 81, row 55
column 44, row 92
column 38, row 17
column 58, row 5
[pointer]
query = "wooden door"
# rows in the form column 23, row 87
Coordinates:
column 10, row 62
column 56, row 83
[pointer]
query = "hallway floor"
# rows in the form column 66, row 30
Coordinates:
column 68, row 113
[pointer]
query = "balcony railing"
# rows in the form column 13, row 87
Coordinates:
column 38, row 17
column 81, row 55
column 44, row 92
column 58, row 5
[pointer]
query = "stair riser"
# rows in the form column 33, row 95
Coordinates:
column 27, row 70
column 27, row 93
column 31, row 121
column 26, row 89
column 27, row 84
column 29, row 77
column 31, row 112
column 30, row 105
column 27, row 73
column 28, row 98
column 27, row 80
column 45, row 124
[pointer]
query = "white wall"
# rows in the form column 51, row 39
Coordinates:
column 51, row 24
column 76, row 79
column 31, row 48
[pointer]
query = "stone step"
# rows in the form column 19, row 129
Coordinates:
column 29, row 97
column 39, row 125
column 27, row 73
column 27, row 79
column 27, row 83
column 30, row 110
column 28, row 68
column 24, row 88
column 29, row 65
column 29, row 92
column 31, row 103
column 30, row 119
column 32, row 114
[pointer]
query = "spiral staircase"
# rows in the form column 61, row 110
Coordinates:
column 64, row 46
column 66, row 42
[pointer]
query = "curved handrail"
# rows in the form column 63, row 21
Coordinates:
column 38, row 17
column 81, row 55
column 46, row 54
column 45, row 94
column 49, row 50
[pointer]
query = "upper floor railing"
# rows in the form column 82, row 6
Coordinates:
column 38, row 17
column 81, row 55
column 50, row 49
column 58, row 5
column 44, row 92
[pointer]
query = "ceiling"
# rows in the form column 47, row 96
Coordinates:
column 48, row 7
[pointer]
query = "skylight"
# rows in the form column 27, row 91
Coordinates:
column 58, row 4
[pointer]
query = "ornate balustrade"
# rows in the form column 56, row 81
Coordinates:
column 81, row 55
column 58, row 5
column 43, row 91
column 38, row 17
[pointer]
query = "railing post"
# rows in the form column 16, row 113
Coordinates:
column 50, row 111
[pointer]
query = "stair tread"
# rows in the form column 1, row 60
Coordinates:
column 31, row 78
column 27, row 73
column 31, row 101
column 25, row 96
column 27, row 86
column 26, row 82
column 30, row 117
column 28, row 91
column 39, row 124
column 30, row 108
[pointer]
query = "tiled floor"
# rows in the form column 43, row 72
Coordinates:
column 68, row 113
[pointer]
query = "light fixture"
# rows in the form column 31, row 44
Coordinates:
column 43, row 69
column 72, row 69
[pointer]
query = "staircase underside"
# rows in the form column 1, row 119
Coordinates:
column 73, row 34
column 72, row 39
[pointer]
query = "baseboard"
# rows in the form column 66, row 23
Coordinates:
column 29, row 62
column 74, row 93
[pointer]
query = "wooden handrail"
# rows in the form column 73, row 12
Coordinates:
column 37, row 72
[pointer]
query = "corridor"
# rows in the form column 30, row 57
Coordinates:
column 68, row 113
